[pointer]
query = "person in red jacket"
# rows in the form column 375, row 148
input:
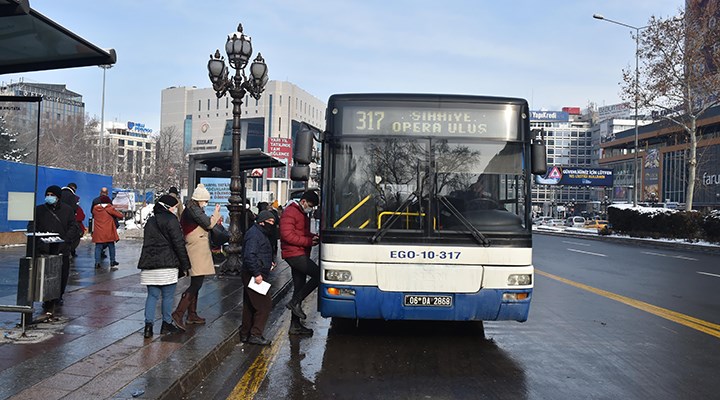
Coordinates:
column 296, row 241
column 104, row 231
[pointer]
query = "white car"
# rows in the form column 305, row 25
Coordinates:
column 575, row 222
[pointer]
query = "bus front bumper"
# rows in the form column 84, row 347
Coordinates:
column 372, row 303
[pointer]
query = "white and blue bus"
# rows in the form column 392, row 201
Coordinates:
column 426, row 208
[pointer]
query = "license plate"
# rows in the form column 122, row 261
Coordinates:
column 428, row 301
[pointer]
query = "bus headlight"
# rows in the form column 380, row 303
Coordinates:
column 519, row 280
column 338, row 275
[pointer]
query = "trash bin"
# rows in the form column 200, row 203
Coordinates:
column 39, row 282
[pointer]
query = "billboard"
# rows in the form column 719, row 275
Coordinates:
column 576, row 176
column 280, row 148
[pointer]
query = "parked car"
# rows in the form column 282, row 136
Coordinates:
column 596, row 224
column 542, row 220
column 555, row 222
column 575, row 222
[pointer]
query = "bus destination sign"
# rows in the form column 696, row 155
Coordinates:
column 489, row 123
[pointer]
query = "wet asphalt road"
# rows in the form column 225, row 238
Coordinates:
column 608, row 321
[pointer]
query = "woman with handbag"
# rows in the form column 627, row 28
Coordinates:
column 162, row 261
column 196, row 227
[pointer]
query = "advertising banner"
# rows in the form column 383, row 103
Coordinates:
column 219, row 189
column 576, row 176
column 280, row 148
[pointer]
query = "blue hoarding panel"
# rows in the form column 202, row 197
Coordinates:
column 19, row 177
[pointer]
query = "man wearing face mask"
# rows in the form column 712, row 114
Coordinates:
column 296, row 241
column 257, row 263
column 56, row 217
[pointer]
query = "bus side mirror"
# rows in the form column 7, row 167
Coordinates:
column 539, row 158
column 300, row 173
column 303, row 151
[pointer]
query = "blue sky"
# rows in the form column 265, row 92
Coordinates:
column 552, row 53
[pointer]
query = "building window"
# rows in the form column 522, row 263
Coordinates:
column 208, row 104
column 279, row 124
column 121, row 142
column 199, row 105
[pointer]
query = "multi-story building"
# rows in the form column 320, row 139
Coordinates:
column 663, row 161
column 129, row 153
column 567, row 136
column 269, row 123
column 60, row 107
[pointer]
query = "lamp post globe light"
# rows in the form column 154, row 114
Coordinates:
column 637, row 29
column 239, row 49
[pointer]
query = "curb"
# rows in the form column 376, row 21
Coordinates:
column 657, row 244
column 180, row 375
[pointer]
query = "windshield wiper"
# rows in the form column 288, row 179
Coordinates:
column 479, row 237
column 396, row 214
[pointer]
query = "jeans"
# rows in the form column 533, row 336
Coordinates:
column 99, row 248
column 154, row 292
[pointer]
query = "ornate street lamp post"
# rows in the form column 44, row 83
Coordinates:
column 239, row 50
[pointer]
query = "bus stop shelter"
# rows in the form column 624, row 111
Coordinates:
column 32, row 42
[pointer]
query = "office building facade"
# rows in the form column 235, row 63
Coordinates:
column 270, row 123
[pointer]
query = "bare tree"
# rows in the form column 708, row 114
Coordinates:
column 679, row 76
column 170, row 164
column 10, row 149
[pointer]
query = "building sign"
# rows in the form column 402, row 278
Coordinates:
column 622, row 110
column 204, row 144
column 136, row 127
column 576, row 176
column 280, row 148
column 549, row 116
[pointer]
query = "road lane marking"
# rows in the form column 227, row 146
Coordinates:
column 707, row 273
column 587, row 252
column 250, row 383
column 682, row 319
column 650, row 253
column 576, row 243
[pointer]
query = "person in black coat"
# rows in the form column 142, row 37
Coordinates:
column 257, row 264
column 163, row 260
column 56, row 217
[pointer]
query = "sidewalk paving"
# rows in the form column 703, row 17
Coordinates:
column 95, row 349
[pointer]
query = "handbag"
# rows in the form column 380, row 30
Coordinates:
column 219, row 235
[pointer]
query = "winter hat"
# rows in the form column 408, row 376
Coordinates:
column 54, row 189
column 200, row 193
column 173, row 189
column 167, row 200
column 264, row 216
column 105, row 200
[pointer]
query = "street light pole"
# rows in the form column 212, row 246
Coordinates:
column 636, row 180
column 104, row 67
column 239, row 50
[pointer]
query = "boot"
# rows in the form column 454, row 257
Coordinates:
column 192, row 317
column 179, row 313
column 296, row 309
column 148, row 330
column 297, row 328
column 168, row 328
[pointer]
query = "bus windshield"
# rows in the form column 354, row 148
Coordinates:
column 433, row 185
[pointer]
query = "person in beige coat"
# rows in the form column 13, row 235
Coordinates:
column 196, row 226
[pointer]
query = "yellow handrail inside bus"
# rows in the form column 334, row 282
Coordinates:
column 407, row 214
column 349, row 213
column 407, row 220
column 366, row 223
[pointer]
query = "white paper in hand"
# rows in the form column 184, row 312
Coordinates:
column 261, row 288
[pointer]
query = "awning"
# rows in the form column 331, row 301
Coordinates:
column 249, row 159
column 29, row 41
